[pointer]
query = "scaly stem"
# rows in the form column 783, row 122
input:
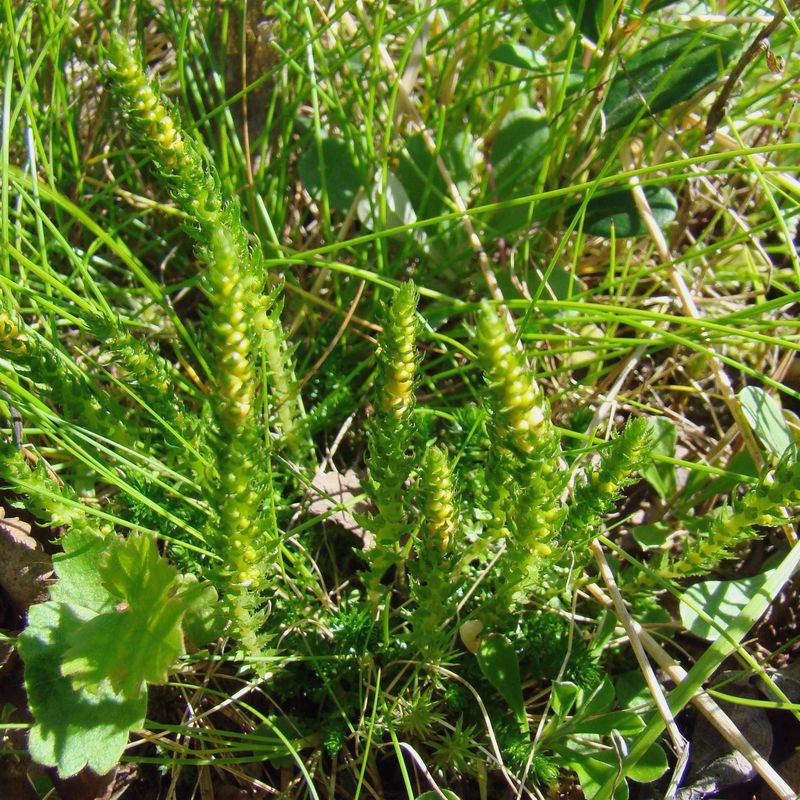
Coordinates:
column 433, row 583
column 391, row 433
column 234, row 284
column 526, row 471
column 733, row 524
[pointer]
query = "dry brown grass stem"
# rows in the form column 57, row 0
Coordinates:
column 689, row 306
column 678, row 741
column 704, row 703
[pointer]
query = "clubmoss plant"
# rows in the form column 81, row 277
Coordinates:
column 66, row 383
column 434, row 571
column 525, row 473
column 521, row 415
column 287, row 403
column 726, row 528
column 439, row 501
column 42, row 495
column 149, row 376
column 177, row 158
column 391, row 432
column 596, row 496
column 234, row 284
column 143, row 355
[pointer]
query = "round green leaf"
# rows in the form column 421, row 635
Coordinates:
column 517, row 149
column 74, row 727
column 542, row 14
column 619, row 210
column 342, row 177
column 650, row 767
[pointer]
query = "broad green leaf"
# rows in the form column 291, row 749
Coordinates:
column 651, row 766
column 625, row 722
column 543, row 15
column 333, row 162
column 600, row 700
column 461, row 155
column 596, row 768
column 649, row 610
column 517, row 55
column 765, row 415
column 587, row 15
column 661, row 476
column 500, row 666
column 420, row 176
column 204, row 621
column 78, row 570
column 721, row 601
column 86, row 672
column 651, row 536
column 618, row 210
column 517, row 150
column 668, row 71
column 134, row 572
column 606, row 627
column 564, row 697
column 434, row 796
column 631, row 690
column 73, row 727
column 127, row 648
column 445, row 242
column 516, row 158
column 399, row 211
column 141, row 640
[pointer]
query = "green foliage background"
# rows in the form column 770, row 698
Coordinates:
column 341, row 341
